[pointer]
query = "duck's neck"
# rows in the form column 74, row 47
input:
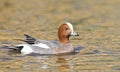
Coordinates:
column 64, row 40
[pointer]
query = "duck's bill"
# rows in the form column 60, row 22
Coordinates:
column 74, row 34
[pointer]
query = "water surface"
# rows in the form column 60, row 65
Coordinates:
column 97, row 22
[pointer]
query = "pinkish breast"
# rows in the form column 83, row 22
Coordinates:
column 64, row 48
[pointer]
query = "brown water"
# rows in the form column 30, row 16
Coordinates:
column 97, row 22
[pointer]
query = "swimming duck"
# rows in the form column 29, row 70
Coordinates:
column 39, row 46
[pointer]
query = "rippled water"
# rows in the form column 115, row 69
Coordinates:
column 98, row 62
column 97, row 22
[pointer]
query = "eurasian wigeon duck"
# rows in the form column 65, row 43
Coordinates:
column 49, row 47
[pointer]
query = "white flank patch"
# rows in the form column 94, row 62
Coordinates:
column 26, row 49
column 42, row 45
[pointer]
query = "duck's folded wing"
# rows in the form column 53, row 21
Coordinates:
column 40, row 43
column 29, row 39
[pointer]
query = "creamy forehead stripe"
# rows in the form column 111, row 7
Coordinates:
column 71, row 26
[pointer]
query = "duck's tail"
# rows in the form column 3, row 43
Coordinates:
column 16, row 49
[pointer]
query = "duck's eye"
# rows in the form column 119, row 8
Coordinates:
column 66, row 28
